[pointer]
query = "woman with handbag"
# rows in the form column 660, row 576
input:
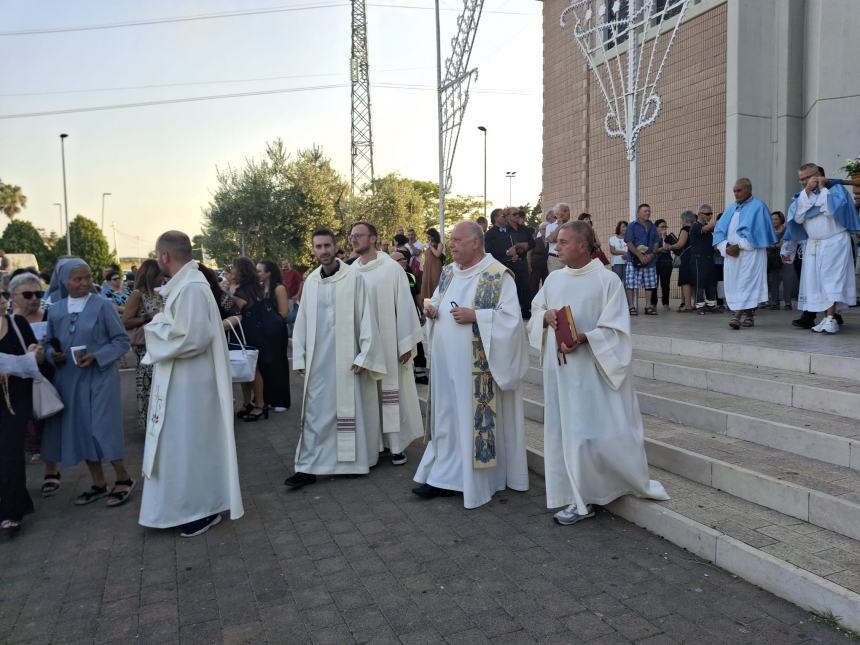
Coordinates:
column 26, row 297
column 247, row 293
column 141, row 306
column 16, row 409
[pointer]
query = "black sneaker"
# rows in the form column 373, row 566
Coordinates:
column 426, row 491
column 398, row 459
column 806, row 320
column 199, row 527
column 300, row 479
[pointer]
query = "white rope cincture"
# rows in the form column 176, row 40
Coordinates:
column 610, row 28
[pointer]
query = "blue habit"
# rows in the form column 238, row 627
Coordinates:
column 90, row 426
column 839, row 205
column 755, row 225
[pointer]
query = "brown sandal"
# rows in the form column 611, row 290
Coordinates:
column 749, row 321
column 735, row 323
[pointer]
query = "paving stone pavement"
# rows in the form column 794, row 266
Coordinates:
column 364, row 561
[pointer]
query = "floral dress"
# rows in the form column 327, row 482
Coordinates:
column 149, row 305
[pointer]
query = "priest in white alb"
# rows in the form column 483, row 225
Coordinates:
column 742, row 236
column 478, row 358
column 400, row 332
column 189, row 459
column 337, row 348
column 594, row 448
column 822, row 217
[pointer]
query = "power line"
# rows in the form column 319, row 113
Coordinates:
column 224, row 14
column 213, row 97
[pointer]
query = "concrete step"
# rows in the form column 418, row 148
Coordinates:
column 760, row 355
column 813, row 567
column 810, row 566
column 826, row 437
column 821, row 493
column 813, row 392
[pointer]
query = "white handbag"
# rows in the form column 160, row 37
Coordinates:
column 46, row 399
column 243, row 361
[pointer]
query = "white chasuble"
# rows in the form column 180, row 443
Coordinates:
column 449, row 459
column 334, row 330
column 189, row 460
column 744, row 276
column 593, row 435
column 400, row 332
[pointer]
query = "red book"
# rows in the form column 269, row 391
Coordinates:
column 565, row 327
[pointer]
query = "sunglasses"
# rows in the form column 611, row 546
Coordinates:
column 5, row 295
column 28, row 295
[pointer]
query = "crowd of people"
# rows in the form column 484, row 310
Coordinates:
column 364, row 324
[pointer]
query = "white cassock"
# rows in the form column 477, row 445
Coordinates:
column 336, row 328
column 594, row 448
column 189, row 458
column 448, row 458
column 400, row 331
column 744, row 277
column 827, row 275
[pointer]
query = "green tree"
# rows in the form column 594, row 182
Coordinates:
column 88, row 243
column 394, row 201
column 21, row 236
column 457, row 207
column 12, row 200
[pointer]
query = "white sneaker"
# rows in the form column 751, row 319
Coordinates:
column 826, row 326
column 570, row 515
column 279, row 408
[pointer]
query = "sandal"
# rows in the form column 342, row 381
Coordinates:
column 682, row 309
column 256, row 414
column 119, row 497
column 735, row 323
column 242, row 412
column 94, row 493
column 51, row 485
column 633, row 311
column 10, row 525
column 650, row 311
column 749, row 321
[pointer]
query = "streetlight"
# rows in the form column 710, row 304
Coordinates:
column 103, row 210
column 484, row 130
column 510, row 175
column 60, row 213
column 65, row 195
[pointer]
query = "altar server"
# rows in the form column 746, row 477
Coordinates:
column 478, row 358
column 337, row 347
column 742, row 236
column 593, row 435
column 189, row 458
column 822, row 217
column 400, row 333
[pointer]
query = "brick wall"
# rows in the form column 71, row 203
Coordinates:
column 682, row 155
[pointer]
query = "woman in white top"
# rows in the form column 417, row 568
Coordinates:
column 618, row 249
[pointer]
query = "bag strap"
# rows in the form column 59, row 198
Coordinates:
column 242, row 342
column 17, row 332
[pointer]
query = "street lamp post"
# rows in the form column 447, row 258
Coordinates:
column 484, row 130
column 65, row 194
column 510, row 175
column 60, row 213
column 103, row 210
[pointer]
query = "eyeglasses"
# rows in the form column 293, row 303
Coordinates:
column 5, row 295
column 73, row 325
column 27, row 295
column 116, row 277
column 358, row 236
column 704, row 213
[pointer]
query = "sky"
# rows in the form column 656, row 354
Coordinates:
column 159, row 162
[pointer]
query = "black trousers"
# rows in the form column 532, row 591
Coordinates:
column 704, row 278
column 524, row 292
column 664, row 275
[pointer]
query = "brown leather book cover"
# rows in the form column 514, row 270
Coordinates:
column 566, row 329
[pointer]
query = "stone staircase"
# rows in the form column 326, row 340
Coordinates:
column 760, row 450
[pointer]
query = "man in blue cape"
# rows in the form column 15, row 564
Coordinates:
column 742, row 236
column 821, row 218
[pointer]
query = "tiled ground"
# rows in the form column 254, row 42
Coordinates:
column 363, row 560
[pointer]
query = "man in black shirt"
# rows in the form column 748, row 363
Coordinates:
column 702, row 260
column 509, row 242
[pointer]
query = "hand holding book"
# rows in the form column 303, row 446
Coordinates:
column 567, row 339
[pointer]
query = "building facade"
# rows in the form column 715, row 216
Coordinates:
column 752, row 88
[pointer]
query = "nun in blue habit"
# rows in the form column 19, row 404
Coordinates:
column 90, row 426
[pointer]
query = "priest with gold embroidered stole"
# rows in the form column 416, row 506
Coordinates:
column 478, row 358
column 594, row 448
column 400, row 333
column 336, row 347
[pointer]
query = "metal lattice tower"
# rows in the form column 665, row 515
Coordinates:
column 362, row 134
column 454, row 88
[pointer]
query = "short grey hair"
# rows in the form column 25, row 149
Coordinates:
column 809, row 166
column 24, row 278
column 706, row 207
column 546, row 215
column 688, row 216
column 584, row 231
column 745, row 181
column 475, row 229
column 561, row 205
